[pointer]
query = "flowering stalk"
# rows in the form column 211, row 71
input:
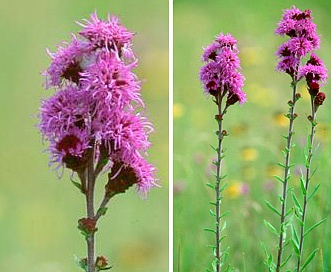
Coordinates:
column 221, row 78
column 283, row 225
column 315, row 73
column 298, row 26
column 93, row 122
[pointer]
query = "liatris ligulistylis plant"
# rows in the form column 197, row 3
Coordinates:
column 303, row 39
column 315, row 74
column 93, row 122
column 221, row 78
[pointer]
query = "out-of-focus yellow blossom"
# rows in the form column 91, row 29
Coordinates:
column 178, row 110
column 238, row 130
column 281, row 120
column 259, row 95
column 236, row 189
column 233, row 190
column 274, row 170
column 323, row 132
column 302, row 89
column 251, row 55
column 249, row 154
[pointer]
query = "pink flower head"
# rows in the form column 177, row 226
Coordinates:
column 111, row 82
column 299, row 27
column 70, row 149
column 109, row 34
column 314, row 71
column 221, row 71
column 97, row 104
column 67, row 63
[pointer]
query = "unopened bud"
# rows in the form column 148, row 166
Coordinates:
column 319, row 99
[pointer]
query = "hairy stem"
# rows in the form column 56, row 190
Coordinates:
column 286, row 174
column 90, row 213
column 307, row 180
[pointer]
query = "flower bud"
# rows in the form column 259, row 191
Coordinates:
column 319, row 99
column 87, row 226
column 313, row 88
column 101, row 262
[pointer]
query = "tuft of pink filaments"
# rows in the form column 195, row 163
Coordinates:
column 221, row 72
column 97, row 106
column 298, row 26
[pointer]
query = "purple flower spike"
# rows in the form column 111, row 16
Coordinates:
column 97, row 104
column 314, row 71
column 297, row 25
column 221, row 71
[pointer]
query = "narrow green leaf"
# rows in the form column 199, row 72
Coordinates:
column 296, row 203
column 223, row 227
column 309, row 259
column 269, row 261
column 210, row 185
column 281, row 164
column 289, row 211
column 270, row 227
column 313, row 192
column 215, row 163
column 294, row 235
column 76, row 184
column 214, row 148
column 264, row 248
column 303, row 185
column 313, row 226
column 295, row 248
column 313, row 173
column 271, row 207
column 209, row 230
column 224, row 214
column 224, row 187
column 286, row 260
column 221, row 239
column 212, row 213
column 278, row 178
column 212, row 203
column 223, row 177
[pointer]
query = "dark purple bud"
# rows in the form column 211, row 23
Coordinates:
column 314, row 88
column 319, row 99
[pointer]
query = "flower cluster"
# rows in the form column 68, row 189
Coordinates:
column 299, row 27
column 221, row 71
column 96, row 110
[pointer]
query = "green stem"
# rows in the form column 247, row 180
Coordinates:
column 286, row 175
column 90, row 213
column 307, row 180
column 221, row 113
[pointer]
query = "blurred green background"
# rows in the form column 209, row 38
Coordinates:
column 38, row 212
column 255, row 143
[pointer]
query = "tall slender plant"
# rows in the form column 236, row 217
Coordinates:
column 303, row 39
column 221, row 78
column 93, row 122
column 315, row 74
